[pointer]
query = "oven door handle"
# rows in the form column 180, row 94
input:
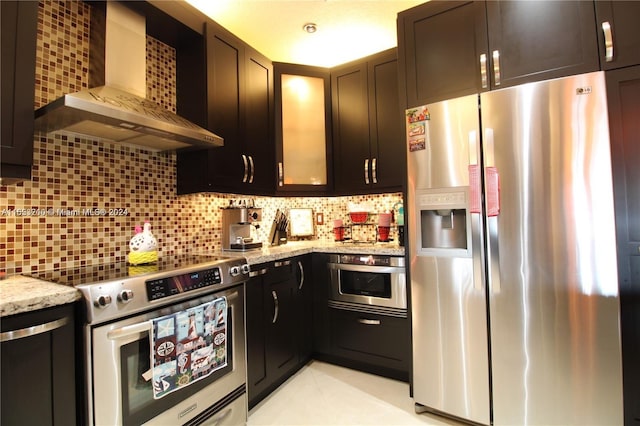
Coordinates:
column 366, row 268
column 128, row 330
column 146, row 326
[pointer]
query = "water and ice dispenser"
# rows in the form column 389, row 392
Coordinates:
column 443, row 222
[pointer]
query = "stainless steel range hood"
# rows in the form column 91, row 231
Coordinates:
column 118, row 110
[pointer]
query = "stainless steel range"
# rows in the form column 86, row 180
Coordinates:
column 131, row 377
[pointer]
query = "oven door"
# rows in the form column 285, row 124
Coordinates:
column 370, row 285
column 120, row 364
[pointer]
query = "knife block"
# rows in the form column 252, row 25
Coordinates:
column 277, row 236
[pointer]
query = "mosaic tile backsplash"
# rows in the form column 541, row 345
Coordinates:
column 86, row 196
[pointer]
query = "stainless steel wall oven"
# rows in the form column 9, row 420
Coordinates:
column 368, row 283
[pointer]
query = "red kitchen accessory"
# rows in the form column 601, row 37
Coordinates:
column 358, row 217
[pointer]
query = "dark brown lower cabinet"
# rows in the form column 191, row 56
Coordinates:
column 289, row 322
column 38, row 371
column 375, row 343
column 274, row 315
column 623, row 92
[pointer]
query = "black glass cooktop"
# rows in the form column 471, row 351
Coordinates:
column 121, row 270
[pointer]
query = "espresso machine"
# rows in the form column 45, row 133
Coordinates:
column 237, row 222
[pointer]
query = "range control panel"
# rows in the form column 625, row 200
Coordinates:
column 164, row 287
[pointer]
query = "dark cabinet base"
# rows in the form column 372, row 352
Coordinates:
column 277, row 306
column 374, row 343
column 38, row 371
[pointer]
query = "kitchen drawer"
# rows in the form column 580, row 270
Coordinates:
column 375, row 343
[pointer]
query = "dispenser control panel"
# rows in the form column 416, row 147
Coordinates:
column 443, row 199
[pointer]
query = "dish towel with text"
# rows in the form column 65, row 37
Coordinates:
column 187, row 346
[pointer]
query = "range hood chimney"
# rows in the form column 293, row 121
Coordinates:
column 117, row 110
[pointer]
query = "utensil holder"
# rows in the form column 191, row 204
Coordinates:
column 279, row 238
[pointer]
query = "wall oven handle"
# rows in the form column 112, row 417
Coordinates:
column 8, row 336
column 128, row 330
column 301, row 275
column 365, row 268
column 275, row 306
column 368, row 321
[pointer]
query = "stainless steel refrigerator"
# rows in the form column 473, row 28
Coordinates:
column 511, row 242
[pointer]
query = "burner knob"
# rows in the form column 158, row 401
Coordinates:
column 246, row 268
column 234, row 271
column 125, row 296
column 102, row 301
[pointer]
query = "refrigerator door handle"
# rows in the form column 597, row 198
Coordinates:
column 493, row 253
column 496, row 67
column 475, row 211
column 608, row 41
column 483, row 70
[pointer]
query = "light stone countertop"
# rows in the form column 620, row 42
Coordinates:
column 298, row 248
column 19, row 294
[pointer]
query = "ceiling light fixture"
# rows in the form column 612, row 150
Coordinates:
column 310, row 27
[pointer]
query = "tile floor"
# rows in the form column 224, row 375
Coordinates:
column 325, row 394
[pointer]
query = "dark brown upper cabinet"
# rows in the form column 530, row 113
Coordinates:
column 368, row 132
column 19, row 28
column 240, row 108
column 303, row 129
column 440, row 46
column 618, row 33
column 451, row 49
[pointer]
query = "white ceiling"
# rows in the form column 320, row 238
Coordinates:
column 347, row 29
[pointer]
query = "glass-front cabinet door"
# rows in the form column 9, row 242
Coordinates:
column 303, row 129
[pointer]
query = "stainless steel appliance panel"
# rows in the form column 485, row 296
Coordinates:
column 372, row 281
column 452, row 129
column 449, row 319
column 555, row 337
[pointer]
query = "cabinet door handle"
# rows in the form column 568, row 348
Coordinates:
column 301, row 275
column 275, row 306
column 8, row 336
column 258, row 272
column 252, row 169
column 374, row 170
column 366, row 171
column 280, row 174
column 368, row 321
column 483, row 70
column 496, row 67
column 608, row 41
column 246, row 169
column 282, row 263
